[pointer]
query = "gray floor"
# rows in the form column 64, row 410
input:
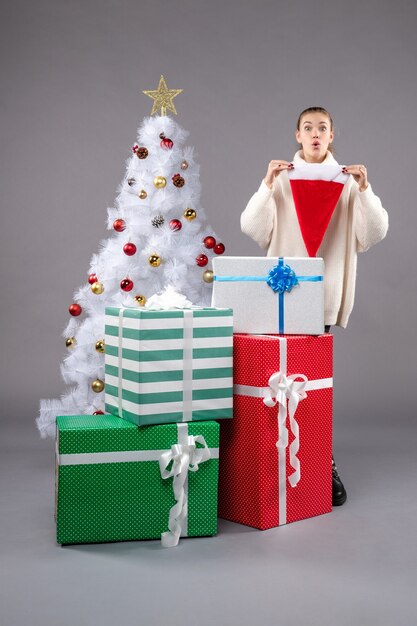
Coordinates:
column 355, row 566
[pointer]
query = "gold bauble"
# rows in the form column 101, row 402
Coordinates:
column 208, row 276
column 70, row 342
column 142, row 194
column 154, row 260
column 190, row 214
column 97, row 288
column 159, row 182
column 97, row 385
column 140, row 300
column 100, row 345
column 184, row 165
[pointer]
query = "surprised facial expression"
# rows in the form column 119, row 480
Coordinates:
column 315, row 135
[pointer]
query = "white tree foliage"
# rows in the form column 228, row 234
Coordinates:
column 178, row 250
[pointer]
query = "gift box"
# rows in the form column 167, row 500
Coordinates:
column 271, row 294
column 170, row 365
column 118, row 482
column 276, row 464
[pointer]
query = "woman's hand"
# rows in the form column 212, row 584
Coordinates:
column 359, row 173
column 274, row 170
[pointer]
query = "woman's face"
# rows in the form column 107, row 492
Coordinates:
column 315, row 135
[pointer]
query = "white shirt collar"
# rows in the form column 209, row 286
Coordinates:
column 329, row 158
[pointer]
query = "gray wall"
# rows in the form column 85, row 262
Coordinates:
column 72, row 76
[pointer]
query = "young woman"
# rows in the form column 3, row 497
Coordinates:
column 358, row 222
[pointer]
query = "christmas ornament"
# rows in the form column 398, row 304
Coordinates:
column 175, row 224
column 190, row 214
column 98, row 413
column 126, row 284
column 129, row 249
column 142, row 152
column 75, row 309
column 163, row 98
column 100, row 346
column 208, row 276
column 119, row 225
column 209, row 242
column 97, row 288
column 70, row 342
column 178, row 180
column 154, row 260
column 92, row 279
column 184, row 165
column 166, row 143
column 157, row 221
column 142, row 194
column 219, row 248
column 140, row 300
column 159, row 182
column 131, row 182
column 161, row 135
column 97, row 385
column 201, row 260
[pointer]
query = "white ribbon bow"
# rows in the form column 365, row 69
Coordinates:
column 283, row 388
column 184, row 458
column 167, row 299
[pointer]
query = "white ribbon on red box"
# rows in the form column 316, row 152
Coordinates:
column 286, row 391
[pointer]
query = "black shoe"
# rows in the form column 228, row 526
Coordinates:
column 339, row 494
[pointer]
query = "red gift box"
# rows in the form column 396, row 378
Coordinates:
column 276, row 454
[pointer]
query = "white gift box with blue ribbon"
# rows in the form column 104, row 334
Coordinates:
column 282, row 295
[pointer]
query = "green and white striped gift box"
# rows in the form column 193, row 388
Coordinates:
column 169, row 366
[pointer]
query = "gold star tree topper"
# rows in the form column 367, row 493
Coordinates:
column 163, row 98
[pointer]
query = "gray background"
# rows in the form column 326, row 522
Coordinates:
column 71, row 101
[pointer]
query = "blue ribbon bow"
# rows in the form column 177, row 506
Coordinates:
column 282, row 278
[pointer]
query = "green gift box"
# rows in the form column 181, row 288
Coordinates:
column 170, row 365
column 118, row 482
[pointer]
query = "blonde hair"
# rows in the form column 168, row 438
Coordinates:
column 316, row 110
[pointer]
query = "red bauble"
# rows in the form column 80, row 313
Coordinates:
column 209, row 242
column 126, row 284
column 92, row 279
column 166, row 143
column 201, row 260
column 219, row 248
column 119, row 225
column 129, row 249
column 175, row 224
column 75, row 309
column 98, row 413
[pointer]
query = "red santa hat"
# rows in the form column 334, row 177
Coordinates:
column 316, row 189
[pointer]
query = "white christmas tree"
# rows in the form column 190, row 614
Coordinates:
column 159, row 237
